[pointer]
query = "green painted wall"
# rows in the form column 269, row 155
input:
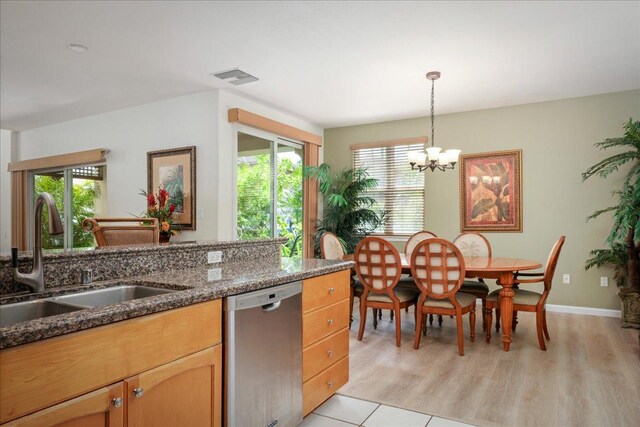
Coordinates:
column 557, row 140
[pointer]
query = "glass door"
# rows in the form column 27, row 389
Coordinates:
column 80, row 192
column 269, row 190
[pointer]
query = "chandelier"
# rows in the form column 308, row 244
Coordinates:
column 434, row 158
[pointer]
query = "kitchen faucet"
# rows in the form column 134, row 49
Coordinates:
column 35, row 279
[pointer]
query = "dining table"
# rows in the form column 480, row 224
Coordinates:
column 501, row 269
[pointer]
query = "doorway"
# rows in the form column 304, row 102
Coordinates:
column 269, row 189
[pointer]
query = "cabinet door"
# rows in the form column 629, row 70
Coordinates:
column 99, row 408
column 186, row 392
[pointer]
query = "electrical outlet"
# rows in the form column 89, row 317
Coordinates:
column 604, row 281
column 200, row 213
column 566, row 279
column 214, row 256
column 214, row 274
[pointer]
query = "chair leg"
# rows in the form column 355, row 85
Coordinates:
column 391, row 315
column 484, row 319
column 460, row 334
column 406, row 309
column 472, row 323
column 351, row 298
column 430, row 319
column 440, row 320
column 398, row 326
column 497, row 319
column 375, row 317
column 363, row 318
column 539, row 330
column 420, row 317
column 424, row 326
column 544, row 325
column 488, row 313
column 380, row 314
column 514, row 322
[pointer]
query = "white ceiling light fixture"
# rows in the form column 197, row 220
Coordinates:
column 239, row 77
column 78, row 48
column 433, row 158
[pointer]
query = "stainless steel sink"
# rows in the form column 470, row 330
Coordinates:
column 109, row 296
column 30, row 310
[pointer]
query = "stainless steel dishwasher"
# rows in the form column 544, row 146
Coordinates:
column 263, row 357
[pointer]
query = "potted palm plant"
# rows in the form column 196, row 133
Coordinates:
column 349, row 212
column 623, row 252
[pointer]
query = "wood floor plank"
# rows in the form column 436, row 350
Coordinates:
column 589, row 375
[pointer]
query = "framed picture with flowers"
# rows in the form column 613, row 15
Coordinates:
column 491, row 191
column 171, row 182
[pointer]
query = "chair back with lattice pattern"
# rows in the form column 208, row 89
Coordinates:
column 552, row 262
column 330, row 246
column 123, row 231
column 378, row 264
column 437, row 267
column 473, row 244
column 415, row 239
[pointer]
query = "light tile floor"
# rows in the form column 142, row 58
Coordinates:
column 343, row 411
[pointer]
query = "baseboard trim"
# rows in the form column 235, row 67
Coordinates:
column 589, row 311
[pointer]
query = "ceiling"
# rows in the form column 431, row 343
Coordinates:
column 332, row 63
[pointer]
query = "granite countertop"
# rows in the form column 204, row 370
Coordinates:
column 193, row 285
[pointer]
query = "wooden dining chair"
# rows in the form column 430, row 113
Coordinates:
column 475, row 244
column 379, row 267
column 331, row 248
column 437, row 267
column 123, row 231
column 525, row 300
column 407, row 282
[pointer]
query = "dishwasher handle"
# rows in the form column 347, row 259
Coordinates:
column 271, row 307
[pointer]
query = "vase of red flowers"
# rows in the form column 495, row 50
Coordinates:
column 158, row 207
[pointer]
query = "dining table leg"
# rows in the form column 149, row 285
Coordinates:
column 506, row 307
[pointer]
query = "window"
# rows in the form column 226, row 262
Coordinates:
column 79, row 192
column 269, row 190
column 400, row 190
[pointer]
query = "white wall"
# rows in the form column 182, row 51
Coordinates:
column 199, row 120
column 129, row 134
column 5, row 190
column 227, row 148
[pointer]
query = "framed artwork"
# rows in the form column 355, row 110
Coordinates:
column 175, row 171
column 491, row 191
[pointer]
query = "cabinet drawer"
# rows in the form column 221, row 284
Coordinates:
column 324, row 322
column 325, row 352
column 324, row 385
column 321, row 291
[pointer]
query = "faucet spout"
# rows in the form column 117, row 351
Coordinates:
column 35, row 279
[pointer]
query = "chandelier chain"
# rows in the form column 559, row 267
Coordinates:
column 432, row 115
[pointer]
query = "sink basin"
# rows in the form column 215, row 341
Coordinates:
column 109, row 296
column 30, row 310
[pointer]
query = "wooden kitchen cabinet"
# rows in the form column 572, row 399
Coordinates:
column 99, row 408
column 325, row 337
column 175, row 356
column 186, row 392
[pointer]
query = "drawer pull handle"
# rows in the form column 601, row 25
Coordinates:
column 117, row 402
column 138, row 392
column 331, row 290
column 330, row 322
column 330, row 384
column 330, row 353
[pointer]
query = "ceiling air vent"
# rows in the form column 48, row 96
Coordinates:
column 239, row 77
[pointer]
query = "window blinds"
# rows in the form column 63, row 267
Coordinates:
column 400, row 190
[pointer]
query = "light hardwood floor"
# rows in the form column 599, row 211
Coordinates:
column 589, row 375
